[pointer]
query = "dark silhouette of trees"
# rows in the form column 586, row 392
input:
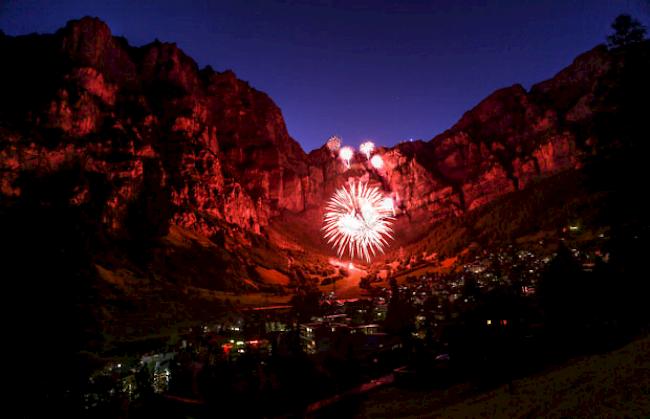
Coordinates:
column 627, row 30
column 559, row 291
column 627, row 286
column 399, row 316
column 306, row 303
column 471, row 290
column 46, row 257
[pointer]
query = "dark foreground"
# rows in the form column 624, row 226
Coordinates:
column 613, row 384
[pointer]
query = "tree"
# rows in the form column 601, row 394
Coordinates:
column 560, row 290
column 627, row 30
column 306, row 303
column 400, row 314
column 471, row 289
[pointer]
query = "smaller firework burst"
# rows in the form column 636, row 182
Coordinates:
column 377, row 162
column 334, row 144
column 346, row 155
column 367, row 148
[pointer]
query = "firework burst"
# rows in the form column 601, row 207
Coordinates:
column 334, row 144
column 377, row 162
column 358, row 221
column 367, row 148
column 346, row 155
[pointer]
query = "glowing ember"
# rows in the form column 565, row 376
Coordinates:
column 358, row 220
column 367, row 148
column 346, row 155
column 377, row 162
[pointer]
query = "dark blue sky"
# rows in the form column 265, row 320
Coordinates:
column 386, row 70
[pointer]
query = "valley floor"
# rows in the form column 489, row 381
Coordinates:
column 615, row 384
column 348, row 286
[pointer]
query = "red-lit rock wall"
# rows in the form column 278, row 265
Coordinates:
column 213, row 153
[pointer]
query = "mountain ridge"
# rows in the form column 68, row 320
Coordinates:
column 187, row 178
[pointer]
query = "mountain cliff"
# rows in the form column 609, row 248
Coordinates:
column 134, row 159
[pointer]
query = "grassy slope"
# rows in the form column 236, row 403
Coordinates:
column 537, row 212
column 615, row 384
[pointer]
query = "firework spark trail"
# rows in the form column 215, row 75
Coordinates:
column 367, row 148
column 358, row 220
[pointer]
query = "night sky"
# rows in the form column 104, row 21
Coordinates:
column 385, row 70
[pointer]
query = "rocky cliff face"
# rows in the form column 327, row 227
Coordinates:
column 155, row 141
column 510, row 139
column 148, row 121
